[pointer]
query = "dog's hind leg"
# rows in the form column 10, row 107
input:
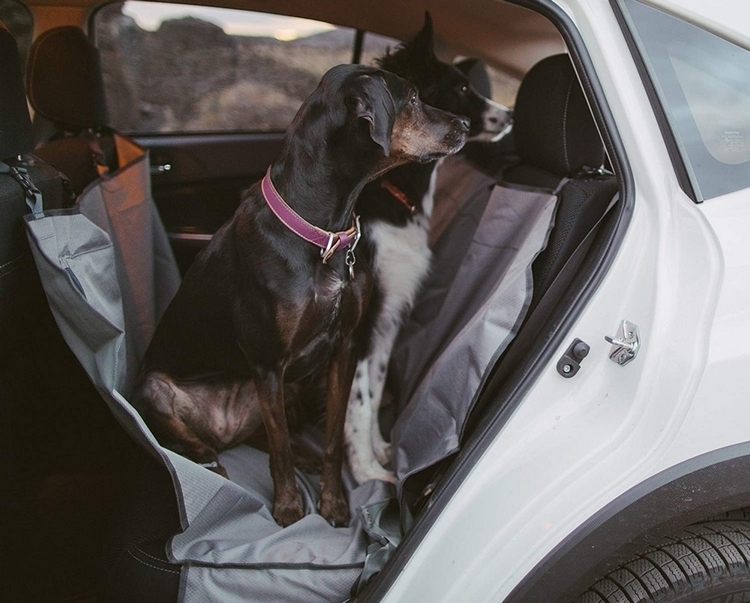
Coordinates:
column 168, row 410
column 358, row 430
column 189, row 445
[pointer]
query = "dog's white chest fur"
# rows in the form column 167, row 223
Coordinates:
column 402, row 260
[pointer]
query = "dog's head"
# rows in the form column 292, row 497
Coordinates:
column 405, row 128
column 366, row 115
column 445, row 87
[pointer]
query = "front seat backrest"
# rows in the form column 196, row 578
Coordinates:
column 553, row 127
column 64, row 86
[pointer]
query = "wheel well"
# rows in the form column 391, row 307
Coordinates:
column 711, row 485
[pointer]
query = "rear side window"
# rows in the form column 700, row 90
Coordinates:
column 184, row 68
column 702, row 84
column 19, row 22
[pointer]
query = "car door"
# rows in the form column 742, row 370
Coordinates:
column 210, row 92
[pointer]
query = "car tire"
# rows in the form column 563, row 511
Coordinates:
column 708, row 562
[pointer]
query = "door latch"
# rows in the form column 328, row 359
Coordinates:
column 626, row 344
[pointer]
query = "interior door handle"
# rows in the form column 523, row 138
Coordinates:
column 161, row 168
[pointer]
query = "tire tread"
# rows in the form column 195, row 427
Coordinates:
column 696, row 557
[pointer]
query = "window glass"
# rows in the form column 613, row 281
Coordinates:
column 504, row 87
column 703, row 84
column 18, row 20
column 375, row 46
column 181, row 68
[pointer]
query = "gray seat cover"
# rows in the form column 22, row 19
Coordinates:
column 441, row 365
column 108, row 273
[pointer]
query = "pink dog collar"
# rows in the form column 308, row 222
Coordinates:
column 329, row 242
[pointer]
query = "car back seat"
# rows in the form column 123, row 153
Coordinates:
column 583, row 215
column 558, row 146
column 219, row 558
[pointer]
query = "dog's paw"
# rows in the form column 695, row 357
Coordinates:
column 365, row 474
column 335, row 510
column 287, row 512
column 217, row 468
column 382, row 451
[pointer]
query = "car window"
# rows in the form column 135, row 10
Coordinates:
column 702, row 83
column 17, row 18
column 375, row 46
column 504, row 86
column 180, row 68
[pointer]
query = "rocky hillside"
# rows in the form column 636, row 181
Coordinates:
column 190, row 75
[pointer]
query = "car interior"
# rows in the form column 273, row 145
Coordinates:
column 92, row 513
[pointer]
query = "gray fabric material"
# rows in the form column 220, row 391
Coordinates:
column 112, row 251
column 236, row 585
column 147, row 273
column 444, row 362
column 235, row 531
column 75, row 259
column 459, row 184
column 108, row 274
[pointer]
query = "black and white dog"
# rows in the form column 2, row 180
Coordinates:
column 395, row 212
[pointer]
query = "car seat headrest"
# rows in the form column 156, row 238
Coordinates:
column 475, row 70
column 64, row 79
column 553, row 126
column 16, row 137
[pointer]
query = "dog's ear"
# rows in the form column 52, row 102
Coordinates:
column 372, row 102
column 423, row 41
column 413, row 58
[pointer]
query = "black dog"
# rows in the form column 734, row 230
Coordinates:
column 268, row 308
column 395, row 214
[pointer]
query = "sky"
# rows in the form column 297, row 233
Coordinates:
column 149, row 16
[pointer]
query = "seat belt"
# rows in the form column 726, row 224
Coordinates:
column 32, row 194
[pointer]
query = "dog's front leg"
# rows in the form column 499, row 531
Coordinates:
column 358, row 429
column 287, row 503
column 333, row 505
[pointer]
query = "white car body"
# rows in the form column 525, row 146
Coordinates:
column 573, row 446
column 573, row 473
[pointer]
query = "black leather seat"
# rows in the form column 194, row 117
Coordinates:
column 556, row 137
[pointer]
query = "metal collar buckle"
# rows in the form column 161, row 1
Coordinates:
column 350, row 257
column 330, row 248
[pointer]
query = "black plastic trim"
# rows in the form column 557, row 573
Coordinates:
column 519, row 384
column 691, row 491
column 678, row 164
column 182, row 139
column 359, row 39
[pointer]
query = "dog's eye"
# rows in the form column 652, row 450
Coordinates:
column 464, row 89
